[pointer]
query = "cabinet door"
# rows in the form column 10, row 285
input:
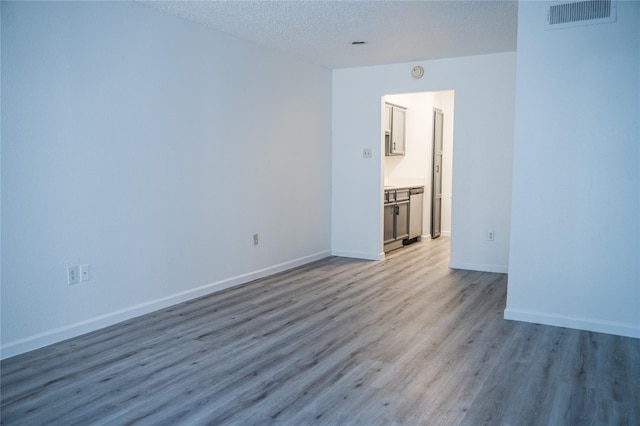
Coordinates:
column 386, row 119
column 397, row 131
column 402, row 220
column 389, row 221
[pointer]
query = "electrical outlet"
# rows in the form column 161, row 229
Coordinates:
column 84, row 273
column 72, row 275
column 255, row 239
column 366, row 153
column 491, row 236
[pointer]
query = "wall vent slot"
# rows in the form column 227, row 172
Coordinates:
column 563, row 15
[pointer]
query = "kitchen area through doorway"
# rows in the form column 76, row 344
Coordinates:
column 417, row 146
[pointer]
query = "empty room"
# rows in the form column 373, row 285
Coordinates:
column 320, row 212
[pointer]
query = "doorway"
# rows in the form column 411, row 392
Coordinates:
column 424, row 163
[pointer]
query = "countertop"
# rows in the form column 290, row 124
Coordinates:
column 403, row 183
column 396, row 187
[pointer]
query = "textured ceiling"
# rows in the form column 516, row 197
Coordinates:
column 395, row 31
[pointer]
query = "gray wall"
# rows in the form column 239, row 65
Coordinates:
column 575, row 238
column 152, row 149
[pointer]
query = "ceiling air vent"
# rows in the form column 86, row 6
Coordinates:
column 574, row 14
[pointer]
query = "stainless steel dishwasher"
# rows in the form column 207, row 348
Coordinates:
column 415, row 213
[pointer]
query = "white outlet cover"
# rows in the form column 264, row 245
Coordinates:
column 72, row 275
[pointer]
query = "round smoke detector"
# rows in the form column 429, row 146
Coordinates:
column 417, row 72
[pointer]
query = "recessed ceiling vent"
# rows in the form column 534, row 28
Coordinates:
column 575, row 14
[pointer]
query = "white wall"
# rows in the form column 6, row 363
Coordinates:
column 575, row 237
column 483, row 129
column 446, row 102
column 152, row 149
column 416, row 164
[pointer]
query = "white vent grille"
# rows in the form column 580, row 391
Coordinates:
column 563, row 15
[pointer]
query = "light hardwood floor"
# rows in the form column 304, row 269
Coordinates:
column 405, row 341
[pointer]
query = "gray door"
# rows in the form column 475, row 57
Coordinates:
column 436, row 202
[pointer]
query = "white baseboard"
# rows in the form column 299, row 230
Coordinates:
column 358, row 254
column 442, row 234
column 586, row 324
column 502, row 269
column 73, row 330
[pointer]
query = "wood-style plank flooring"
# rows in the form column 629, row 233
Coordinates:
column 405, row 341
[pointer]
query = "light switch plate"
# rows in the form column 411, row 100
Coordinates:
column 366, row 153
column 84, row 273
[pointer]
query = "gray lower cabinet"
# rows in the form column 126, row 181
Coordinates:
column 389, row 218
column 396, row 218
column 402, row 220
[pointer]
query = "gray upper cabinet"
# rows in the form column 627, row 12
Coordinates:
column 397, row 130
column 394, row 125
column 386, row 120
